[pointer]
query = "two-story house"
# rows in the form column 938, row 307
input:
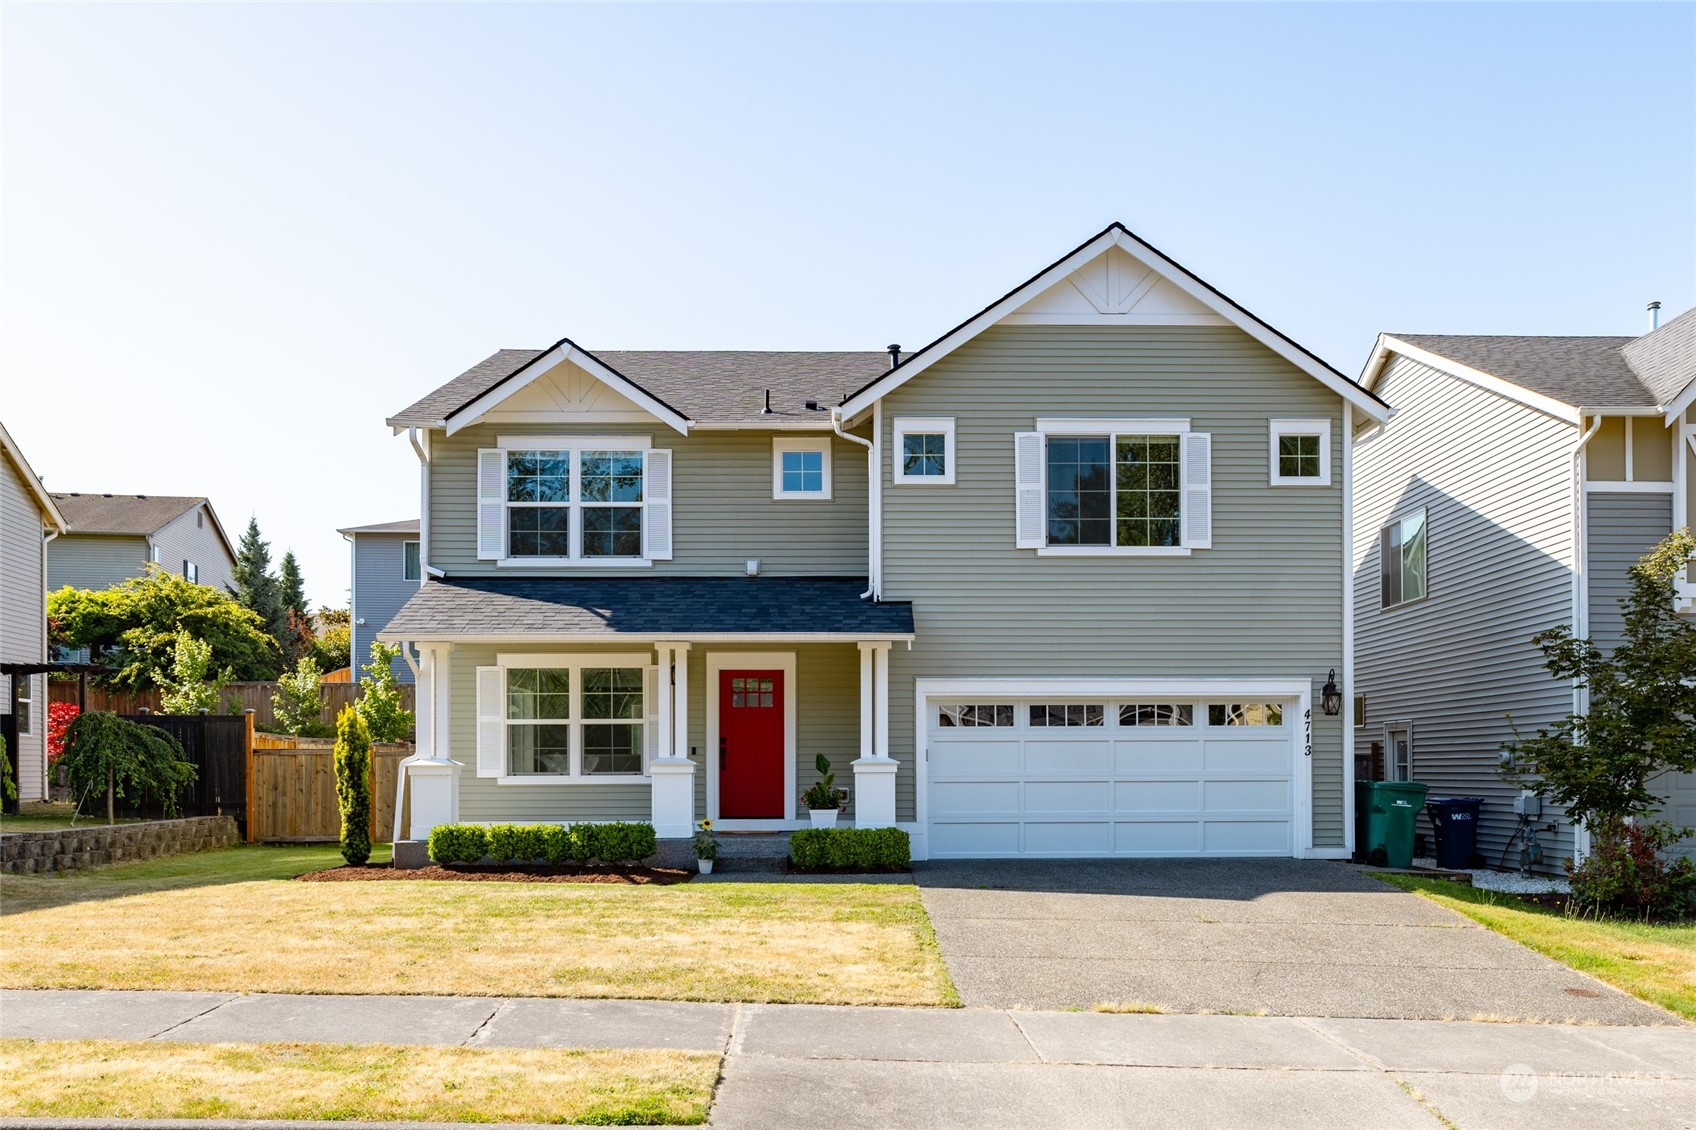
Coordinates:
column 28, row 519
column 387, row 570
column 1519, row 481
column 1068, row 581
column 113, row 537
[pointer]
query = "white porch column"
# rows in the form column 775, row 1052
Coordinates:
column 671, row 772
column 432, row 775
column 874, row 772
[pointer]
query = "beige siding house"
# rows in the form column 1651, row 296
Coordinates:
column 28, row 518
column 1516, row 485
column 1070, row 581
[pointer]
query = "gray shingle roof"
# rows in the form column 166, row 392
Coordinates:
column 405, row 526
column 1580, row 371
column 646, row 607
column 708, row 386
column 138, row 514
column 1665, row 359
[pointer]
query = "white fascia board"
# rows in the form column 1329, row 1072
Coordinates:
column 1111, row 688
column 49, row 508
column 544, row 640
column 589, row 363
column 1547, row 405
column 1178, row 276
column 1676, row 408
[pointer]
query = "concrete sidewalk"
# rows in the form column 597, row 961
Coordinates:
column 847, row 1068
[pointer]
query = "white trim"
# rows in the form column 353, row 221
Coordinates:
column 720, row 661
column 781, row 445
column 1112, row 425
column 32, row 482
column 1279, row 428
column 1117, row 236
column 1300, row 727
column 1348, row 630
column 1607, row 486
column 1114, row 551
column 1387, row 344
column 560, row 779
column 573, row 659
column 1402, row 726
column 574, row 639
column 874, row 504
column 574, row 443
column 1131, row 319
column 923, row 425
column 563, row 351
column 574, row 562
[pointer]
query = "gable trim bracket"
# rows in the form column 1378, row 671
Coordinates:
column 560, row 352
column 1117, row 235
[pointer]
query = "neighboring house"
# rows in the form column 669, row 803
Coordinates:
column 387, row 570
column 114, row 537
column 1068, row 581
column 28, row 518
column 1519, row 480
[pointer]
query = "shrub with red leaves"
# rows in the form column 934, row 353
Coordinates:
column 1630, row 873
column 60, row 715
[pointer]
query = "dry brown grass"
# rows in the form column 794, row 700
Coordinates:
column 1139, row 1007
column 130, row 1079
column 153, row 926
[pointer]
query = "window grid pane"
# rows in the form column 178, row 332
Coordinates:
column 1245, row 714
column 803, row 472
column 979, row 715
column 612, row 531
column 1071, row 714
column 1080, row 495
column 1148, row 484
column 1298, row 457
column 924, row 454
column 611, row 748
column 1157, row 714
column 539, row 531
column 538, row 476
column 538, row 692
column 538, row 749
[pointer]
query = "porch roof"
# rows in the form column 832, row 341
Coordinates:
column 656, row 608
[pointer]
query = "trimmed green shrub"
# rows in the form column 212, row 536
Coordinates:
column 618, row 842
column 556, row 843
column 353, row 785
column 860, row 849
column 458, row 843
column 518, row 843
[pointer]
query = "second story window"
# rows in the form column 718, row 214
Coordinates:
column 1300, row 453
column 1113, row 487
column 411, row 566
column 800, row 467
column 1401, row 560
column 191, row 572
column 924, row 450
column 597, row 504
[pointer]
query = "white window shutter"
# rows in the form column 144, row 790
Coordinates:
column 491, row 504
column 651, row 715
column 1031, row 519
column 1198, row 490
column 491, row 722
column 656, row 488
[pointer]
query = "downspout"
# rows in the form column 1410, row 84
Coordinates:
column 1580, row 591
column 871, row 510
column 423, row 506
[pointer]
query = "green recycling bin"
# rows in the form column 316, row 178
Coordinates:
column 1384, row 814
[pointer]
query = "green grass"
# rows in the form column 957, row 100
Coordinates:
column 1654, row 963
column 39, row 817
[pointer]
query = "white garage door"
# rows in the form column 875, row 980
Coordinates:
column 1076, row 776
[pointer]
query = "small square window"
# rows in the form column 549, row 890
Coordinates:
column 1300, row 453
column 924, row 451
column 801, row 468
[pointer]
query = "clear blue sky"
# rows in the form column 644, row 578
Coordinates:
column 234, row 238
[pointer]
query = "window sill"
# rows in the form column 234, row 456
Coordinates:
column 563, row 779
column 1315, row 481
column 573, row 563
column 1114, row 551
column 801, row 496
column 922, row 481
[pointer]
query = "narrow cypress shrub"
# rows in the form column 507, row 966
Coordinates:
column 353, row 784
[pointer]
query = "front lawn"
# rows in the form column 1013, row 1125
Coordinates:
column 232, row 921
column 341, row 1082
column 39, row 816
column 1653, row 963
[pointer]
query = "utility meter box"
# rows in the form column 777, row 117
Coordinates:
column 1528, row 805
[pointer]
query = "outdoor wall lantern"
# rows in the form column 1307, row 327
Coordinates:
column 1330, row 698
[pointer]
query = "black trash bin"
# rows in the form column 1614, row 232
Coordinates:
column 1455, row 819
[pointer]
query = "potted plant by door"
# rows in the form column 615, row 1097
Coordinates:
column 706, row 846
column 823, row 799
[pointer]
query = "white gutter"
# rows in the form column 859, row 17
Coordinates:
column 874, row 500
column 1580, row 564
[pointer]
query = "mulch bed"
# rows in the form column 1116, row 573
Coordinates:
column 516, row 873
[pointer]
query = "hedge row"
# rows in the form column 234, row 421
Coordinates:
column 541, row 843
column 863, row 849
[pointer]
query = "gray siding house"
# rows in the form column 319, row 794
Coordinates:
column 1518, row 482
column 28, row 518
column 114, row 537
column 387, row 570
column 1069, row 581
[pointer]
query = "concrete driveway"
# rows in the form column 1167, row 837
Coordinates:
column 1290, row 937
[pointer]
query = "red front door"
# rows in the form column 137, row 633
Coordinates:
column 750, row 745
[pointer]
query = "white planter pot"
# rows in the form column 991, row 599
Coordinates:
column 706, row 866
column 823, row 817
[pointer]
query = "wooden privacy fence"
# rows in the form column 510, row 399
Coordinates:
column 216, row 745
column 292, row 790
column 250, row 696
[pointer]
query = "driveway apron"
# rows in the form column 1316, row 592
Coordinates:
column 1280, row 936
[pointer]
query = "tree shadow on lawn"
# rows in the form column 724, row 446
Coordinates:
column 245, row 863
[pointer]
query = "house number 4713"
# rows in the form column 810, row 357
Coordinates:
column 1307, row 731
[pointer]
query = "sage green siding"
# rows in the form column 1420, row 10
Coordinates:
column 827, row 689
column 722, row 510
column 95, row 561
column 1266, row 602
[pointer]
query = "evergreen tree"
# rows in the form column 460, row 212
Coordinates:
column 256, row 587
column 293, row 587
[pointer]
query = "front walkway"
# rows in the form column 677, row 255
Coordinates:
column 892, row 1068
column 1290, row 937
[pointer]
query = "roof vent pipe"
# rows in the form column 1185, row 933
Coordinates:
column 894, row 355
column 1654, row 316
column 766, row 411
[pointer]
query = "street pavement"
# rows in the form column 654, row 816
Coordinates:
column 898, row 1068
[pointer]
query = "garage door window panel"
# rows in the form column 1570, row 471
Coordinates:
column 1245, row 714
column 1069, row 715
column 976, row 716
column 1157, row 714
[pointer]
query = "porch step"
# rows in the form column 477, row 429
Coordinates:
column 753, row 851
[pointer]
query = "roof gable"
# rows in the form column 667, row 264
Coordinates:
column 563, row 352
column 32, row 482
column 1665, row 361
column 1115, row 277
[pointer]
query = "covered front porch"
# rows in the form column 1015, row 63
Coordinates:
column 670, row 701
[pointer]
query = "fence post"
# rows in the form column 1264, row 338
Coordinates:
column 371, row 791
column 251, row 812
